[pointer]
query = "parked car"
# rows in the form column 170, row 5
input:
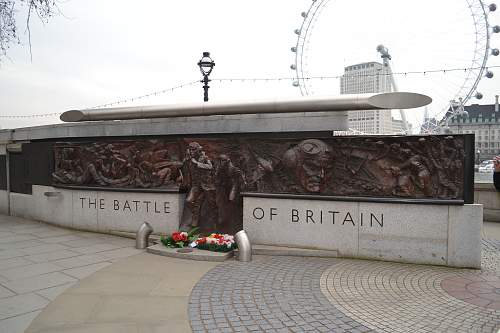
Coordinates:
column 486, row 166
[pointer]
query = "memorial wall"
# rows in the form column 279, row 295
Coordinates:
column 399, row 198
column 215, row 171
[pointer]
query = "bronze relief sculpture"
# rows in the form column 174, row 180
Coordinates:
column 215, row 171
column 199, row 172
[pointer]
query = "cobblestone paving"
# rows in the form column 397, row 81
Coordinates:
column 481, row 290
column 285, row 294
column 490, row 260
column 391, row 297
column 270, row 294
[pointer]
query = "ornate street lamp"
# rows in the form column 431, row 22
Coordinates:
column 206, row 65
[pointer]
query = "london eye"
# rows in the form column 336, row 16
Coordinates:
column 438, row 48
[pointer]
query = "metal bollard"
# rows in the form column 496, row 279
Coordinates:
column 142, row 236
column 244, row 246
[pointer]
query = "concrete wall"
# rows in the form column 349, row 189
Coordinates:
column 21, row 205
column 101, row 211
column 489, row 197
column 314, row 121
column 421, row 234
column 4, row 204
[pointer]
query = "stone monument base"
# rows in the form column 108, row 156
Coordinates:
column 269, row 250
column 436, row 234
column 98, row 210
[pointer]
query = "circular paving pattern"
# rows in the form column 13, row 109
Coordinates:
column 391, row 297
column 269, row 294
column 290, row 294
column 481, row 290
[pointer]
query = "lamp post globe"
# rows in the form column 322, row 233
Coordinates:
column 206, row 65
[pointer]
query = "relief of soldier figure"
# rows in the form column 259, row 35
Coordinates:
column 198, row 177
column 213, row 192
column 214, row 172
column 309, row 161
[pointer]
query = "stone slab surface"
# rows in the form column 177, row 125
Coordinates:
column 269, row 250
column 21, row 304
column 106, row 211
column 19, row 323
column 21, row 205
column 410, row 233
column 270, row 294
column 3, row 202
column 126, row 211
column 196, row 254
column 299, row 121
column 309, row 224
column 56, row 209
column 142, row 293
column 464, row 233
column 38, row 262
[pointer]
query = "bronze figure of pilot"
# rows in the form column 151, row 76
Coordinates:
column 201, row 187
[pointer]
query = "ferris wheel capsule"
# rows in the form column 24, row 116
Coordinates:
column 293, row 67
column 492, row 7
column 303, row 14
column 495, row 52
column 297, row 31
column 489, row 74
column 496, row 29
column 293, row 49
column 478, row 95
column 295, row 83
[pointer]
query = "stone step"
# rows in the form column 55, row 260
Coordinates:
column 271, row 250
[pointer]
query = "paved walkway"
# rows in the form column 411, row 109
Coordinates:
column 285, row 294
column 39, row 261
column 105, row 285
column 145, row 293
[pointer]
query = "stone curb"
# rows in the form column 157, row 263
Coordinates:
column 197, row 254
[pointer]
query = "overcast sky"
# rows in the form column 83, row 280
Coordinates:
column 104, row 51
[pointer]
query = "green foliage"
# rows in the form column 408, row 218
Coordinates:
column 172, row 241
column 216, row 247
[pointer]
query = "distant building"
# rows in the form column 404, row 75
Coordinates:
column 364, row 78
column 484, row 122
column 399, row 128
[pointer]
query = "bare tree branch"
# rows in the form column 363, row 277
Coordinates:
column 44, row 9
column 28, row 28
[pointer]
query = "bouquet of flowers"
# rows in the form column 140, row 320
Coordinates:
column 216, row 243
column 180, row 239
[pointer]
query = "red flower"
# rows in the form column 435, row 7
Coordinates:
column 179, row 237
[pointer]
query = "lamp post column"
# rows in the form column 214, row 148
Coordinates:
column 205, row 87
column 206, row 65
